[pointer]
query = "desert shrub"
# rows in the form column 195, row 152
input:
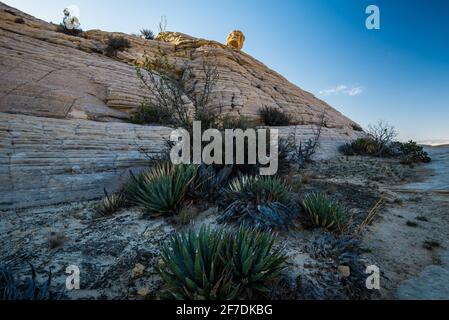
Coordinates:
column 411, row 153
column 116, row 44
column 147, row 34
column 19, row 20
column 347, row 149
column 383, row 134
column 219, row 265
column 61, row 28
column 254, row 264
column 162, row 189
column 242, row 122
column 332, row 251
column 169, row 85
column 110, row 204
column 274, row 117
column 194, row 267
column 361, row 146
column 323, row 211
column 263, row 202
column 210, row 181
column 150, row 114
column 10, row 289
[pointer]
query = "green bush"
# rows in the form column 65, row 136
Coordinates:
column 274, row 117
column 323, row 211
column 210, row 182
column 147, row 34
column 161, row 190
column 263, row 202
column 361, row 146
column 10, row 289
column 110, row 204
column 151, row 114
column 411, row 153
column 253, row 264
column 194, row 267
column 116, row 44
column 219, row 265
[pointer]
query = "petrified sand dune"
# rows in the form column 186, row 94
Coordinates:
column 64, row 106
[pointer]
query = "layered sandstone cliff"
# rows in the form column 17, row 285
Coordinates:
column 64, row 106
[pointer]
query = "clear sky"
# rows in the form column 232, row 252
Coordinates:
column 399, row 73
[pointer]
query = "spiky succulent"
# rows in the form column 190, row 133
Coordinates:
column 217, row 264
column 210, row 181
column 111, row 204
column 194, row 267
column 323, row 211
column 263, row 202
column 10, row 289
column 161, row 190
column 254, row 263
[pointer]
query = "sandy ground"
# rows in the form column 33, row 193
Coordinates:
column 117, row 256
column 412, row 234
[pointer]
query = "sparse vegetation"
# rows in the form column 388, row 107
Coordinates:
column 361, row 146
column 210, row 182
column 274, row 117
column 151, row 114
column 301, row 152
column 411, row 224
column 240, row 122
column 111, row 204
column 61, row 28
column 323, row 211
column 422, row 219
column 115, row 44
column 162, row 189
column 431, row 245
column 147, row 34
column 170, row 84
column 263, row 202
column 411, row 153
column 383, row 134
column 11, row 289
column 19, row 20
column 219, row 265
column 254, row 264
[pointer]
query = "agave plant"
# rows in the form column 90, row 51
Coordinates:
column 211, row 181
column 161, row 190
column 194, row 267
column 325, row 212
column 111, row 204
column 263, row 202
column 254, row 264
column 30, row 290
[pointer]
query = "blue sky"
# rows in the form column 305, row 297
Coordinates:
column 399, row 73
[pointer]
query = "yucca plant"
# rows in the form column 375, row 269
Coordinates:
column 254, row 264
column 263, row 202
column 110, row 204
column 220, row 265
column 161, row 190
column 10, row 289
column 210, row 181
column 147, row 34
column 194, row 267
column 323, row 211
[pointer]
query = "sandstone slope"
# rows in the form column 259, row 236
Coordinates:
column 46, row 73
column 64, row 107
